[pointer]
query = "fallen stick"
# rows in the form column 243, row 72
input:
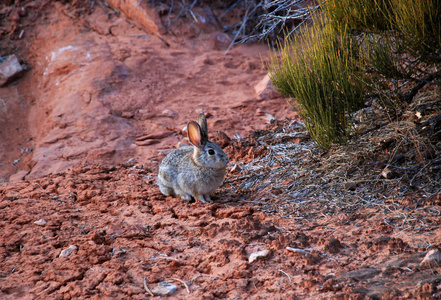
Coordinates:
column 147, row 288
column 289, row 277
column 183, row 282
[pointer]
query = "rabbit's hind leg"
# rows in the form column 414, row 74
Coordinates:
column 204, row 198
column 167, row 191
column 185, row 196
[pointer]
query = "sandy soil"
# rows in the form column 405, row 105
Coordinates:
column 95, row 85
column 83, row 132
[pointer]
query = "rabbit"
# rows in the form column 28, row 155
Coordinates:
column 193, row 171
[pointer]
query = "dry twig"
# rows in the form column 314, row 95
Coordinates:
column 147, row 288
column 184, row 283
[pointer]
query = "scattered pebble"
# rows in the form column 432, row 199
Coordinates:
column 147, row 142
column 208, row 61
column 269, row 117
column 296, row 250
column 260, row 254
column 184, row 131
column 127, row 114
column 432, row 258
column 164, row 288
column 131, row 161
column 9, row 70
column 222, row 139
column 265, row 89
column 68, row 251
column 168, row 113
column 157, row 135
column 40, row 222
column 220, row 40
column 145, row 114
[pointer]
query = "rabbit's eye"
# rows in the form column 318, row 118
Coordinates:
column 211, row 152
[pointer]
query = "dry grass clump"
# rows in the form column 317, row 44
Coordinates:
column 297, row 179
column 320, row 68
column 383, row 48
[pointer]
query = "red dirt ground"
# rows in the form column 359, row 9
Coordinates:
column 69, row 156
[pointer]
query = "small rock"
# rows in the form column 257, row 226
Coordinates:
column 40, row 222
column 300, row 251
column 270, row 118
column 184, row 131
column 127, row 114
column 203, row 111
column 68, row 251
column 131, row 161
column 164, row 289
column 9, row 70
column 156, row 135
column 260, row 254
column 168, row 113
column 145, row 115
column 265, row 89
column 209, row 61
column 222, row 139
column 147, row 142
column 200, row 110
column 432, row 258
column 220, row 40
column 259, row 112
column 331, row 285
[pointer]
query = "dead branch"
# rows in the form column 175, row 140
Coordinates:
column 422, row 108
column 147, row 288
column 432, row 122
column 184, row 283
column 429, row 78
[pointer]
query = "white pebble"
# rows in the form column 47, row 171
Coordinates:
column 260, row 254
column 40, row 222
column 432, row 258
column 68, row 251
column 164, row 288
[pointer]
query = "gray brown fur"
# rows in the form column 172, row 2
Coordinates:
column 193, row 171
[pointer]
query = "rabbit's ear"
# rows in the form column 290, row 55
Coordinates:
column 204, row 131
column 195, row 135
column 203, row 123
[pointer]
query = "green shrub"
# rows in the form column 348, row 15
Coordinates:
column 401, row 26
column 418, row 24
column 325, row 66
column 359, row 15
column 320, row 68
